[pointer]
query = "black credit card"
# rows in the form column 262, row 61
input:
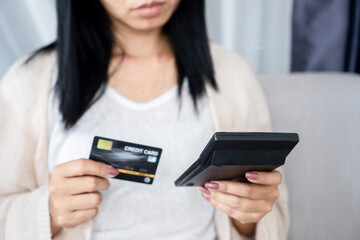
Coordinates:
column 135, row 162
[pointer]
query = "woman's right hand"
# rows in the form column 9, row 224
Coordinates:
column 74, row 192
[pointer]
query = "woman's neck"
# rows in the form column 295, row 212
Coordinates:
column 139, row 44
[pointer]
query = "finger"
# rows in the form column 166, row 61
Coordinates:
column 265, row 178
column 84, row 184
column 83, row 167
column 242, row 204
column 242, row 217
column 77, row 217
column 84, row 201
column 245, row 190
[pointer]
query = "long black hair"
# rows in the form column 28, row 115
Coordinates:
column 84, row 45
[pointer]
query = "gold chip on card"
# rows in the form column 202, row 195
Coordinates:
column 104, row 144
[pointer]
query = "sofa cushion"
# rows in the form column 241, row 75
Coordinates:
column 323, row 172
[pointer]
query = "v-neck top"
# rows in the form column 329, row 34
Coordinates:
column 132, row 210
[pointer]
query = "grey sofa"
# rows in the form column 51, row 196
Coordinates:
column 323, row 172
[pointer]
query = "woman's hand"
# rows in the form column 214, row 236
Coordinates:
column 246, row 203
column 74, row 195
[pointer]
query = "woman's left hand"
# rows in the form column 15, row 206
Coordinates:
column 245, row 202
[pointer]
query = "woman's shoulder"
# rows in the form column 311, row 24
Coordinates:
column 30, row 71
column 231, row 69
column 220, row 53
column 223, row 58
column 239, row 94
column 25, row 88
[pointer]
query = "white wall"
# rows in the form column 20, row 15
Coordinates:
column 259, row 30
column 25, row 25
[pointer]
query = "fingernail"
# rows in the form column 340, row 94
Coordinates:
column 212, row 186
column 204, row 190
column 112, row 172
column 252, row 175
column 207, row 197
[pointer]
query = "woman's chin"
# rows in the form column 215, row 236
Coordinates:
column 148, row 24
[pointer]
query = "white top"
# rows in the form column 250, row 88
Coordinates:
column 134, row 210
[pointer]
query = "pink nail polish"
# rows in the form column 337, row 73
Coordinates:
column 252, row 175
column 207, row 197
column 112, row 172
column 212, row 185
column 204, row 190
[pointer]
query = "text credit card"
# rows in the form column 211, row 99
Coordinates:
column 135, row 162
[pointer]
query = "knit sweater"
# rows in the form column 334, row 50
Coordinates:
column 239, row 105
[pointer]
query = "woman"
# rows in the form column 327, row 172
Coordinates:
column 138, row 71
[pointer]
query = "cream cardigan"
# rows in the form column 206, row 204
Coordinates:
column 24, row 196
